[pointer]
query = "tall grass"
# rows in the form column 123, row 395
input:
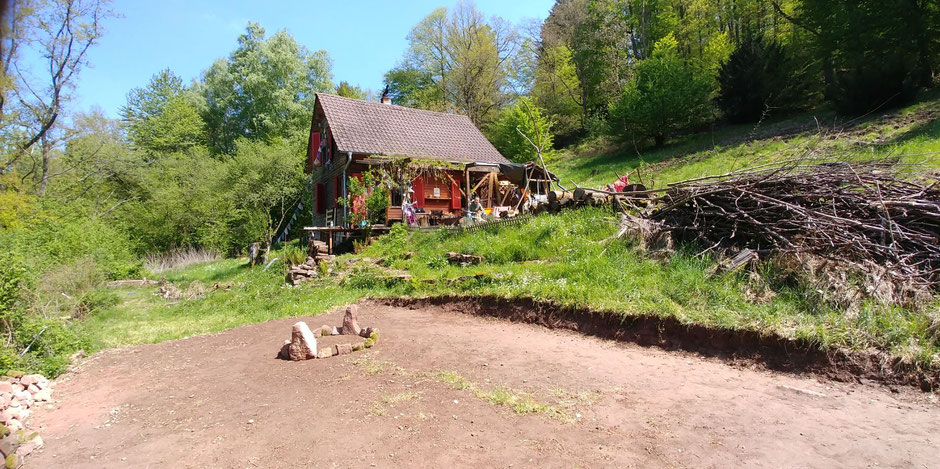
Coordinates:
column 179, row 258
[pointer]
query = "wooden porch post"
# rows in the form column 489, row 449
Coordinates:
column 466, row 172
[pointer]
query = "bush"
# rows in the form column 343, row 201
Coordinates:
column 666, row 95
column 758, row 77
column 525, row 116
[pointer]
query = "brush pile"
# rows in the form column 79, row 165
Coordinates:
column 866, row 218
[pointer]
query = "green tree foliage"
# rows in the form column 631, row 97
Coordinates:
column 875, row 52
column 262, row 184
column 464, row 57
column 264, row 90
column 666, row 95
column 346, row 90
column 523, row 116
column 758, row 80
column 164, row 116
column 558, row 90
column 412, row 87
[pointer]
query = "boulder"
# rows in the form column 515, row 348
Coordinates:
column 351, row 321
column 303, row 346
column 325, row 352
column 343, row 349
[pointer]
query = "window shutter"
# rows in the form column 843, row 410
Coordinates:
column 321, row 198
column 454, row 196
column 418, row 187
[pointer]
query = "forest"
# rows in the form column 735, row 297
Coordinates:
column 215, row 164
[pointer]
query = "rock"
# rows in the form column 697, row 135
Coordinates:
column 326, row 330
column 343, row 349
column 9, row 415
column 303, row 346
column 33, row 389
column 14, row 425
column 5, row 399
column 6, row 387
column 351, row 321
column 365, row 332
column 284, row 353
column 14, row 402
column 24, row 397
column 9, row 444
column 27, row 380
column 33, row 442
column 44, row 395
column 325, row 352
column 334, row 331
column 17, row 387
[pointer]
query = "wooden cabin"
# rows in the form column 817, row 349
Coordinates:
column 350, row 136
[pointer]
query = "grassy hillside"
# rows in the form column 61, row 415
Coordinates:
column 573, row 258
column 911, row 133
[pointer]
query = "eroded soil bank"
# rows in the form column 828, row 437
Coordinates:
column 442, row 389
column 736, row 346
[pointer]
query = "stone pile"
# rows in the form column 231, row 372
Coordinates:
column 18, row 395
column 303, row 343
column 305, row 272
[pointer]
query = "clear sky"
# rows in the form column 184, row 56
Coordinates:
column 364, row 38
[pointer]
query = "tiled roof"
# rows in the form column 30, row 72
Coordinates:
column 381, row 129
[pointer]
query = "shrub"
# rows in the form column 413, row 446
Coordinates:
column 666, row 95
column 525, row 116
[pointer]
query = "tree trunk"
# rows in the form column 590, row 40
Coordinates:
column 46, row 155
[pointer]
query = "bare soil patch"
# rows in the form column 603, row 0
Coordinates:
column 735, row 346
column 446, row 389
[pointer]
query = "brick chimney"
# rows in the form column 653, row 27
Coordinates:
column 385, row 98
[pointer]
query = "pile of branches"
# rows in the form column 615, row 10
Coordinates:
column 871, row 218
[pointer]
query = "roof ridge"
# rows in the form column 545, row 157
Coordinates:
column 394, row 106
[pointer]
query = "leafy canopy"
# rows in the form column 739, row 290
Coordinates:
column 264, row 90
column 666, row 95
column 523, row 116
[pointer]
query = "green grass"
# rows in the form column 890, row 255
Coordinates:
column 571, row 259
column 254, row 296
column 912, row 132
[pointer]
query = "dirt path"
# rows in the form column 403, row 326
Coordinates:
column 223, row 400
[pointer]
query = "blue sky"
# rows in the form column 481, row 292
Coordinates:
column 364, row 38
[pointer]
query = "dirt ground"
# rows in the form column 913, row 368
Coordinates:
column 224, row 400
